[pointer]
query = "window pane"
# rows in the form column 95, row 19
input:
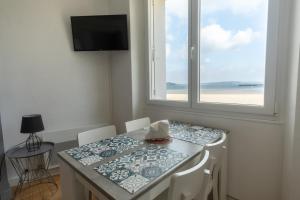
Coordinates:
column 233, row 51
column 170, row 73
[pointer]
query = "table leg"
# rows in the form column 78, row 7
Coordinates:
column 70, row 187
column 223, row 174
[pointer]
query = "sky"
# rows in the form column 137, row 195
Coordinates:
column 232, row 41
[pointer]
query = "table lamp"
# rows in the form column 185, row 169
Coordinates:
column 30, row 125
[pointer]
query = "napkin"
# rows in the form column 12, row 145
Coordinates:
column 158, row 130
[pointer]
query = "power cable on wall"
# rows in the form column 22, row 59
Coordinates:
column 1, row 166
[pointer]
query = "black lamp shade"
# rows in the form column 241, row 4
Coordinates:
column 32, row 124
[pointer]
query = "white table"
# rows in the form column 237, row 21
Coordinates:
column 77, row 179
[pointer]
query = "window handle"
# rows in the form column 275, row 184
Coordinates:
column 192, row 53
column 153, row 55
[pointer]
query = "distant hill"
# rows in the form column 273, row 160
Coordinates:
column 230, row 84
column 217, row 85
column 176, row 86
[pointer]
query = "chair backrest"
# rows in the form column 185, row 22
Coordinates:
column 137, row 124
column 216, row 151
column 192, row 183
column 96, row 134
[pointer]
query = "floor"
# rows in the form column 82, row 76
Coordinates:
column 47, row 192
column 40, row 192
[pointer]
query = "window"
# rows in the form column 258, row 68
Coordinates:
column 213, row 54
column 170, row 50
column 232, row 51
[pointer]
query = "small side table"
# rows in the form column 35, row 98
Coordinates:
column 32, row 167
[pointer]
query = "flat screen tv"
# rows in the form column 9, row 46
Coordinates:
column 100, row 32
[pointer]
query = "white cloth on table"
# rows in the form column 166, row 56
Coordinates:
column 158, row 130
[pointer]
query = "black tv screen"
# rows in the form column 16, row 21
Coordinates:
column 100, row 33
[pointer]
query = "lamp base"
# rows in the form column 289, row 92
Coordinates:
column 33, row 142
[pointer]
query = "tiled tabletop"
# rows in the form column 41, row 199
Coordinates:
column 133, row 171
column 95, row 152
column 126, row 166
column 194, row 133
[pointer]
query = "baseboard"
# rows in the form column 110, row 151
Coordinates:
column 5, row 195
column 231, row 198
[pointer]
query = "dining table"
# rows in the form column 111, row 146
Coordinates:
column 127, row 167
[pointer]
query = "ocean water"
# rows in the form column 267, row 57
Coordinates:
column 228, row 87
column 258, row 90
column 243, row 89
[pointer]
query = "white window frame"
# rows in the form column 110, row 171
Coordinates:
column 270, row 104
column 151, row 64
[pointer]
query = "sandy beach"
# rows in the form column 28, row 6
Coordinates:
column 229, row 97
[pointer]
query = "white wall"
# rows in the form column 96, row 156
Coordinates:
column 138, row 75
column 40, row 72
column 121, row 74
column 128, row 72
column 291, row 177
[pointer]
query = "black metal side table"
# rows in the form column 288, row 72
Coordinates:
column 32, row 167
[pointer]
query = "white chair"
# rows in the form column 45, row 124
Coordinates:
column 137, row 124
column 192, row 183
column 93, row 136
column 217, row 152
column 96, row 134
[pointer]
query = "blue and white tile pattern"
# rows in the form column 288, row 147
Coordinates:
column 194, row 134
column 135, row 170
column 95, row 152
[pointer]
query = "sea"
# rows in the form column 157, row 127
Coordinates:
column 220, row 88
